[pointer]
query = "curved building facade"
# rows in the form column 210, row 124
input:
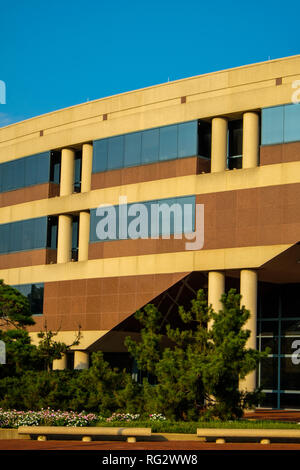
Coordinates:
column 150, row 195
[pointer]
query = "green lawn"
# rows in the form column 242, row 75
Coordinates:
column 191, row 427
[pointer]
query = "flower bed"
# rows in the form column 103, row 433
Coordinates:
column 48, row 417
column 128, row 417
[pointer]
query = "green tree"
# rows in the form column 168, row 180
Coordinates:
column 229, row 360
column 204, row 365
column 14, row 308
column 97, row 387
column 48, row 349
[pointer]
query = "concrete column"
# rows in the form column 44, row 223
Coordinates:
column 216, row 287
column 84, row 236
column 81, row 360
column 86, row 167
column 248, row 290
column 219, row 128
column 64, row 239
column 60, row 364
column 250, row 140
column 67, row 171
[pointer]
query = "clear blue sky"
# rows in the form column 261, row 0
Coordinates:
column 60, row 53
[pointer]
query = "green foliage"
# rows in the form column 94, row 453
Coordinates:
column 196, row 375
column 14, row 308
column 93, row 389
column 200, row 374
column 48, row 349
column 148, row 352
column 229, row 360
column 97, row 387
column 21, row 355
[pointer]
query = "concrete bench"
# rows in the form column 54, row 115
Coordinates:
column 86, row 433
column 265, row 435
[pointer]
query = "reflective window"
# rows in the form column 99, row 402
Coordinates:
column 24, row 172
column 4, row 238
column 272, row 125
column 168, row 142
column 133, row 149
column 7, row 176
column 23, row 235
column 35, row 296
column 43, row 167
column 291, row 123
column 18, row 170
column 115, row 152
column 15, row 237
column 187, row 139
column 27, row 238
column 150, row 146
column 162, row 217
column 39, row 229
column 100, row 150
column 30, row 171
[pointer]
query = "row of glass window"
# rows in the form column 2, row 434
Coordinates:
column 280, row 124
column 148, row 146
column 279, row 373
column 26, row 171
column 23, row 235
column 279, row 330
column 35, row 296
column 143, row 220
column 281, row 400
column 36, row 169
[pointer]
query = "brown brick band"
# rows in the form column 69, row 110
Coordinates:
column 280, row 153
column 99, row 304
column 27, row 258
column 249, row 217
column 32, row 193
column 151, row 172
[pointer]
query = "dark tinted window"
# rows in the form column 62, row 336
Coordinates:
column 133, row 149
column 52, row 231
column 204, row 142
column 235, row 130
column 168, row 142
column 35, row 296
column 23, row 235
column 100, row 150
column 187, row 139
column 150, row 146
column 55, row 163
column 24, row 172
column 115, row 152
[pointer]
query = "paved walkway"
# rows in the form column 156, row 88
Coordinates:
column 278, row 415
column 19, row 444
